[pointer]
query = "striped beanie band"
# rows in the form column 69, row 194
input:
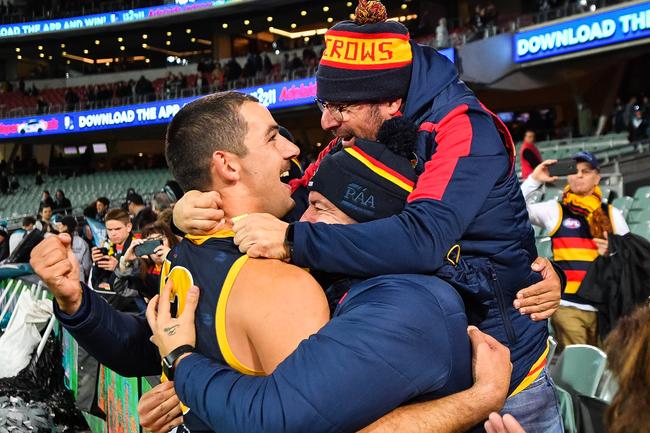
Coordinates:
column 368, row 59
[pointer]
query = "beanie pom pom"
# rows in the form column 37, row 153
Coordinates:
column 370, row 12
column 399, row 135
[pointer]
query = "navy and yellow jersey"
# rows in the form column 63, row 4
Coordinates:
column 574, row 249
column 212, row 263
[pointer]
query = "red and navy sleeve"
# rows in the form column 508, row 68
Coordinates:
column 470, row 157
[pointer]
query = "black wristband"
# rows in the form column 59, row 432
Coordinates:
column 169, row 360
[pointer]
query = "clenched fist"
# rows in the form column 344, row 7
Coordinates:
column 54, row 262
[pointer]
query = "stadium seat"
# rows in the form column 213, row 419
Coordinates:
column 641, row 229
column 623, row 204
column 544, row 247
column 641, row 215
column 552, row 345
column 607, row 387
column 566, row 409
column 642, row 194
column 580, row 368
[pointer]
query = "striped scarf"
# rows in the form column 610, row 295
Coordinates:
column 591, row 208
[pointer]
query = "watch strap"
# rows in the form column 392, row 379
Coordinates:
column 169, row 360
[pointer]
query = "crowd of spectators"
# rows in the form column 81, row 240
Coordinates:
column 211, row 75
column 105, row 240
column 632, row 116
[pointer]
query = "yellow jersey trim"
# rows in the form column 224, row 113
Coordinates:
column 379, row 171
column 220, row 320
column 533, row 373
column 200, row 240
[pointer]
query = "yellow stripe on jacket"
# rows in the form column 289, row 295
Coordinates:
column 533, row 373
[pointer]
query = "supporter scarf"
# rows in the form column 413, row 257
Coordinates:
column 591, row 208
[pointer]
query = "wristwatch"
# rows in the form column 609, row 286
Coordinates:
column 288, row 239
column 169, row 360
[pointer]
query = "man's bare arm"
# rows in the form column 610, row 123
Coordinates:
column 275, row 306
column 461, row 411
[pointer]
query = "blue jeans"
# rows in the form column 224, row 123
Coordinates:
column 536, row 407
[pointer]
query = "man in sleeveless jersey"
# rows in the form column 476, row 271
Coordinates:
column 384, row 348
column 120, row 341
column 466, row 204
column 578, row 225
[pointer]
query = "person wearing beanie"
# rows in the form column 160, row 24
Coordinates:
column 579, row 225
column 372, row 357
column 383, row 348
column 466, row 203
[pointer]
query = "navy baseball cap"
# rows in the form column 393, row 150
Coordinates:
column 584, row 156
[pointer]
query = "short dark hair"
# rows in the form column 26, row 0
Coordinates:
column 118, row 214
column 161, row 229
column 198, row 130
column 135, row 198
column 45, row 205
column 103, row 200
column 29, row 221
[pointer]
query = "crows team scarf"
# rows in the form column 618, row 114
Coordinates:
column 591, row 208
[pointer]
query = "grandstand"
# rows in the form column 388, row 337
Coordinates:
column 83, row 190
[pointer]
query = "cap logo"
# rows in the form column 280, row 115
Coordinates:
column 358, row 195
column 352, row 50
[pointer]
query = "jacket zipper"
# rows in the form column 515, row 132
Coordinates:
column 507, row 324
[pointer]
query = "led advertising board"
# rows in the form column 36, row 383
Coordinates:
column 613, row 26
column 105, row 19
column 273, row 96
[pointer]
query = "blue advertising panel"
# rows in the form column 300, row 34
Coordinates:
column 595, row 30
column 105, row 19
column 273, row 96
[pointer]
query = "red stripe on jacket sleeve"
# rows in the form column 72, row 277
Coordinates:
column 311, row 170
column 454, row 137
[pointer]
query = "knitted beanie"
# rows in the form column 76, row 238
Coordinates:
column 370, row 180
column 365, row 60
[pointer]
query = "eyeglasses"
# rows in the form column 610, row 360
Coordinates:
column 335, row 110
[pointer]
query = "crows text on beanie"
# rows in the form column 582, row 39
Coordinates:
column 365, row 60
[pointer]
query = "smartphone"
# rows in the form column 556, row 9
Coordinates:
column 148, row 247
column 563, row 167
column 103, row 250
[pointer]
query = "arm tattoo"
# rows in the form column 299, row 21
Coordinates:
column 171, row 330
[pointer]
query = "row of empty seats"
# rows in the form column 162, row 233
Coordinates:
column 82, row 190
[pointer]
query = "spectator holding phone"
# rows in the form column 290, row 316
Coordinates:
column 140, row 267
column 578, row 226
column 106, row 259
